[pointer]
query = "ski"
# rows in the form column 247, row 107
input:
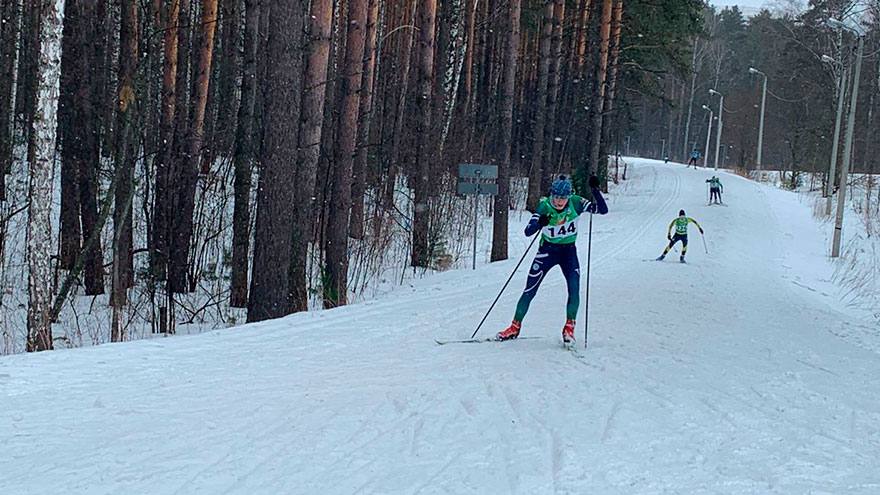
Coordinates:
column 480, row 341
column 646, row 260
column 574, row 349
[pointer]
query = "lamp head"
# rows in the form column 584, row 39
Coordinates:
column 853, row 26
column 835, row 23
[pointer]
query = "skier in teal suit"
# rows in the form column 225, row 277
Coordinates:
column 556, row 217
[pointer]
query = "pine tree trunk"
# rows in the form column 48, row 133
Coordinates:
column 28, row 60
column 486, row 96
column 421, row 179
column 180, row 163
column 152, row 45
column 336, row 243
column 79, row 135
column 69, row 121
column 182, row 232
column 243, row 158
column 470, row 28
column 101, row 50
column 123, row 269
column 89, row 130
column 39, row 227
column 330, row 124
column 274, row 228
column 599, row 87
column 583, row 34
column 365, row 113
column 162, row 210
column 200, row 95
column 608, row 107
column 502, row 200
column 9, row 33
column 399, row 115
column 309, row 150
column 442, row 47
column 230, row 65
column 536, row 170
column 208, row 150
column 554, row 76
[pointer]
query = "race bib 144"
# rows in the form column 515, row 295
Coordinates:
column 562, row 231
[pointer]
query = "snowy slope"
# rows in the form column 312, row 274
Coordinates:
column 736, row 373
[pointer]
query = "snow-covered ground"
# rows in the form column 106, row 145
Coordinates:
column 740, row 372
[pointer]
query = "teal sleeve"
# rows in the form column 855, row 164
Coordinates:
column 541, row 209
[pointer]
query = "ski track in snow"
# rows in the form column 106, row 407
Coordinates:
column 737, row 374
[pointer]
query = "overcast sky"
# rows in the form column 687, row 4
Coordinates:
column 745, row 5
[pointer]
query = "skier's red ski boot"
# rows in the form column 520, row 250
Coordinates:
column 510, row 332
column 568, row 332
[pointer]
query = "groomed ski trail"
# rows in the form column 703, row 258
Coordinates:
column 726, row 376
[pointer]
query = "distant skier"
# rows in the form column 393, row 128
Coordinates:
column 556, row 217
column 715, row 190
column 695, row 156
column 681, row 234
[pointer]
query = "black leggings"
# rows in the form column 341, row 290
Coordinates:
column 676, row 238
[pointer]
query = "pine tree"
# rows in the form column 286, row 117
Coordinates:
column 269, row 295
column 123, row 267
column 502, row 200
column 335, row 279
column 420, row 173
column 243, row 158
column 309, row 149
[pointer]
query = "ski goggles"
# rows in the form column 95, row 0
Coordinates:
column 556, row 197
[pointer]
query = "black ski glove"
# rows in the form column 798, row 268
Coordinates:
column 701, row 231
column 543, row 221
column 594, row 182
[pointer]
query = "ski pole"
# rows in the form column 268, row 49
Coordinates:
column 703, row 236
column 587, row 302
column 505, row 284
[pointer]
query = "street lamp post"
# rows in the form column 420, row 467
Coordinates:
column 720, row 125
column 753, row 70
column 708, row 135
column 848, row 142
column 841, row 91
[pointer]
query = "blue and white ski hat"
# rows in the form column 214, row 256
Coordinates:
column 561, row 187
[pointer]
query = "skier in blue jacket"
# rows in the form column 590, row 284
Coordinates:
column 695, row 156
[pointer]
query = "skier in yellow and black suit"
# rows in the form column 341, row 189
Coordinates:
column 681, row 234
